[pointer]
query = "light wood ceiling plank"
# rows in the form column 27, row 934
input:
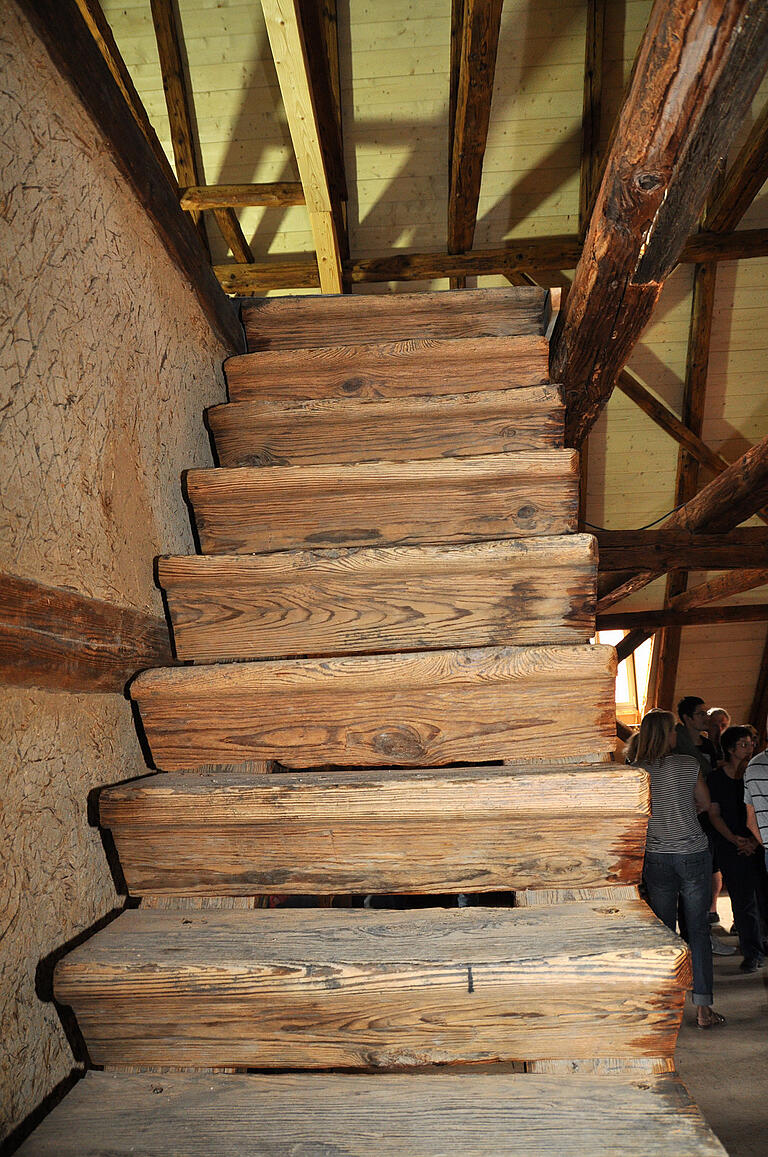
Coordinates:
column 286, row 37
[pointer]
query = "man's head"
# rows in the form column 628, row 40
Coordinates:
column 693, row 715
column 717, row 721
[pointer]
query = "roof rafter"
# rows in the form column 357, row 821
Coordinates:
column 743, row 182
column 696, row 72
column 289, row 51
column 474, row 41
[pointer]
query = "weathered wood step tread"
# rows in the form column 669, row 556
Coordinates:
column 245, row 510
column 515, row 591
column 340, row 430
column 459, row 830
column 389, row 369
column 416, row 709
column 427, row 1115
column 306, row 988
column 301, row 322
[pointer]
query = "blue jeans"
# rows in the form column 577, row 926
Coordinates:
column 670, row 876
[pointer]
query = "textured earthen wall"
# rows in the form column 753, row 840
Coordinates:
column 106, row 364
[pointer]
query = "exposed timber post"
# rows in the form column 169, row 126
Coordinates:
column 696, row 72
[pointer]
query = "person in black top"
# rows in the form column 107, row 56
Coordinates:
column 737, row 849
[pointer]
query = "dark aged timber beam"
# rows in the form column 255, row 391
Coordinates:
column 589, row 174
column 687, row 478
column 479, row 31
column 542, row 253
column 75, row 54
column 650, row 621
column 275, row 194
column 719, row 507
column 65, row 641
column 661, row 550
column 722, row 587
column 696, row 72
column 744, row 180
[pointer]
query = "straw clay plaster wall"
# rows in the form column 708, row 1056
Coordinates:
column 106, row 366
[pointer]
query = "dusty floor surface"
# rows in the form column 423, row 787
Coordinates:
column 726, row 1069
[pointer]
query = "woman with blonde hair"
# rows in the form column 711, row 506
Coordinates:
column 678, row 862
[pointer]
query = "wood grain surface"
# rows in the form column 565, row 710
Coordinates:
column 389, row 369
column 247, row 510
column 307, row 988
column 417, row 709
column 516, row 591
column 302, row 322
column 466, row 830
column 341, row 430
column 637, row 1115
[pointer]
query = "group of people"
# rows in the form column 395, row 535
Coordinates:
column 708, row 826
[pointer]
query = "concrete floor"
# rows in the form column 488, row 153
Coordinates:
column 726, row 1069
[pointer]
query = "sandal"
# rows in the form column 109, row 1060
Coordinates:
column 714, row 1020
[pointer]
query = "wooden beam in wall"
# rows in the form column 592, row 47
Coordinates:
column 650, row 621
column 73, row 50
column 589, row 173
column 744, row 180
column 64, row 641
column 662, row 550
column 696, row 72
column 286, row 37
column 273, row 194
column 476, row 61
column 728, row 500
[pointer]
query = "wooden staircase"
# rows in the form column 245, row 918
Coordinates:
column 393, row 610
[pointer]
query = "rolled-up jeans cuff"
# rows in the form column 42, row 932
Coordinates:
column 702, row 999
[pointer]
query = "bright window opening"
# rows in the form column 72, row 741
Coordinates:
column 631, row 678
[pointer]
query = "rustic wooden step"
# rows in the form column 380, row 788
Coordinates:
column 460, row 830
column 516, row 591
column 340, row 430
column 389, row 369
column 308, row 988
column 417, row 709
column 245, row 510
column 302, row 322
column 425, row 1114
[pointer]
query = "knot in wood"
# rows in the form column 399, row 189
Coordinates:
column 648, row 181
